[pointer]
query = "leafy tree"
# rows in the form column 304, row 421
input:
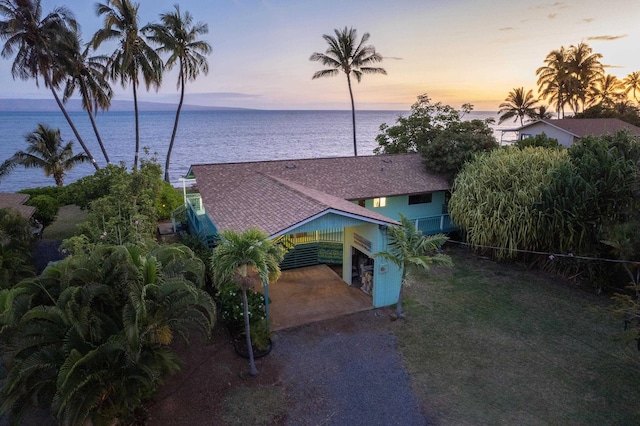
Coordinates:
column 89, row 338
column 246, row 258
column 47, row 151
column 627, row 113
column 178, row 37
column 409, row 250
column 457, row 144
column 518, row 104
column 494, row 198
column 133, row 58
column 16, row 241
column 540, row 140
column 46, row 208
column 42, row 47
column 348, row 55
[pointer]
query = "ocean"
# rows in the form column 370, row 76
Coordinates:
column 210, row 136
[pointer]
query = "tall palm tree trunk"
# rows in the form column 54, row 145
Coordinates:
column 247, row 331
column 135, row 108
column 175, row 125
column 353, row 117
column 95, row 130
column 73, row 127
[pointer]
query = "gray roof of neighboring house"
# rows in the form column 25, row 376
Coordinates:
column 16, row 202
column 277, row 195
column 581, row 127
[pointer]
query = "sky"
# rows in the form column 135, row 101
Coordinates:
column 456, row 51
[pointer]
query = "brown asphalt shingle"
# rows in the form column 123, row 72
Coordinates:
column 16, row 202
column 594, row 126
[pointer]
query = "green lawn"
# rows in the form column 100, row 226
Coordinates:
column 66, row 222
column 489, row 343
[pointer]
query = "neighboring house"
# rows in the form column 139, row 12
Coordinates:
column 327, row 210
column 569, row 130
column 16, row 202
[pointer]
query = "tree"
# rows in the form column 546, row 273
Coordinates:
column 518, row 105
column 586, row 70
column 348, row 55
column 607, row 91
column 245, row 258
column 553, row 79
column 133, row 58
column 541, row 113
column 177, row 36
column 410, row 250
column 42, row 47
column 87, row 75
column 632, row 84
column 46, row 151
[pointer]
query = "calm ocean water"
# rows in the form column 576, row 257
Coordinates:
column 203, row 137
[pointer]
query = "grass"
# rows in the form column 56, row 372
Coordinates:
column 66, row 223
column 260, row 405
column 488, row 343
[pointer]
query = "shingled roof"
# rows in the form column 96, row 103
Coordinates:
column 16, row 202
column 581, row 127
column 277, row 195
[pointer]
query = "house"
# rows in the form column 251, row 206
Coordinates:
column 569, row 130
column 16, row 202
column 327, row 210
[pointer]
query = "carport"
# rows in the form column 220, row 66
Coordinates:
column 313, row 293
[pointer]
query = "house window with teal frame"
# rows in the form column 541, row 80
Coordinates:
column 420, row 199
column 379, row 202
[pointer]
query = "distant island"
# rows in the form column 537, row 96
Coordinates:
column 74, row 105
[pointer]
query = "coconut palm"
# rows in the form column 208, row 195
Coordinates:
column 607, row 91
column 348, row 55
column 586, row 69
column 554, row 79
column 42, row 45
column 518, row 104
column 410, row 250
column 133, row 58
column 87, row 75
column 246, row 258
column 47, row 151
column 632, row 84
column 541, row 113
column 177, row 36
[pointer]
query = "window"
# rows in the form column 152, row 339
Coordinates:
column 379, row 202
column 420, row 199
column 361, row 203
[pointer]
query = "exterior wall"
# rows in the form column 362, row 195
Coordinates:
column 563, row 137
column 386, row 276
column 396, row 205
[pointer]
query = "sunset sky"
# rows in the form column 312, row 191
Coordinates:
column 456, row 51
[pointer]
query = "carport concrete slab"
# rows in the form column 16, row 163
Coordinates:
column 310, row 294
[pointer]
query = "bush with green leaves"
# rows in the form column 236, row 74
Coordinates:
column 229, row 300
column 46, row 208
column 16, row 244
column 167, row 200
column 540, row 140
column 495, row 196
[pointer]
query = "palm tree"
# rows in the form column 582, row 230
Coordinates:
column 607, row 91
column 586, row 69
column 246, row 258
column 46, row 151
column 87, row 75
column 518, row 105
column 554, row 79
column 632, row 84
column 42, row 45
column 541, row 113
column 409, row 249
column 177, row 36
column 133, row 58
column 348, row 55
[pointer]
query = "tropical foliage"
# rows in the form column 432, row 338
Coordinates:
column 518, row 105
column 16, row 244
column 89, row 338
column 438, row 132
column 247, row 259
column 178, row 37
column 47, row 151
column 410, row 250
column 354, row 58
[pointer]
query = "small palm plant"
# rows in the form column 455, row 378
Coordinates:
column 411, row 250
column 246, row 258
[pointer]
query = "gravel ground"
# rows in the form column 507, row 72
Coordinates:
column 353, row 377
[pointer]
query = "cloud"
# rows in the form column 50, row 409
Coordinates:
column 506, row 29
column 607, row 37
column 588, row 20
column 556, row 5
column 552, row 15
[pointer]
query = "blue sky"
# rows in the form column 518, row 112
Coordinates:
column 456, row 51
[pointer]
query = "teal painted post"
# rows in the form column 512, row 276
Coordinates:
column 266, row 301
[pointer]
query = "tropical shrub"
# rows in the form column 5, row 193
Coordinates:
column 16, row 242
column 89, row 188
column 167, row 200
column 90, row 337
column 46, row 208
column 494, row 198
column 229, row 302
column 540, row 140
